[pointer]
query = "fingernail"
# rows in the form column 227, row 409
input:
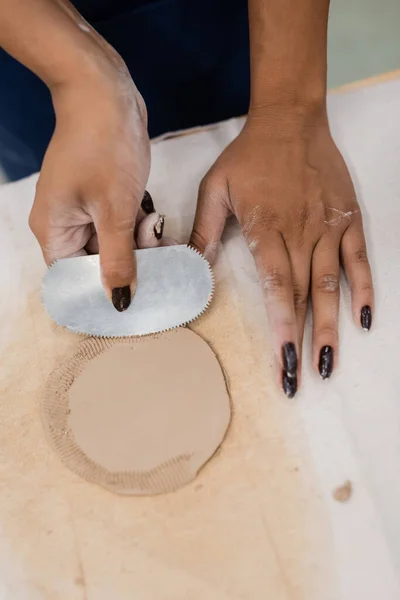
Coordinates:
column 366, row 318
column 289, row 384
column 121, row 298
column 289, row 358
column 159, row 228
column 326, row 362
column 147, row 203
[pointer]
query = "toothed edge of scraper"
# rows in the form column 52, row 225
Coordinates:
column 142, row 335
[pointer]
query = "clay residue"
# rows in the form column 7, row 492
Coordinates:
column 336, row 216
column 343, row 492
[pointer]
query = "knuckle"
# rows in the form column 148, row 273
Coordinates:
column 327, row 332
column 287, row 323
column 115, row 220
column 327, row 284
column 257, row 220
column 198, row 240
column 360, row 255
column 268, row 219
column 117, row 266
column 365, row 286
column 275, row 283
column 114, row 212
column 255, row 223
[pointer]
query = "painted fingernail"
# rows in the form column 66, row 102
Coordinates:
column 121, row 298
column 289, row 358
column 159, row 228
column 326, row 362
column 289, row 384
column 366, row 318
column 147, row 203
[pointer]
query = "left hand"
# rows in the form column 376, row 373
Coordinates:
column 289, row 187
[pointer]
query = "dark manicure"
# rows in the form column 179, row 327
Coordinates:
column 289, row 358
column 326, row 362
column 366, row 318
column 147, row 203
column 121, row 298
column 289, row 384
column 159, row 228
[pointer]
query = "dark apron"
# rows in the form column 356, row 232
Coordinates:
column 188, row 58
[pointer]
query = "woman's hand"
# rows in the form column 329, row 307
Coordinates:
column 94, row 173
column 289, row 187
column 93, row 178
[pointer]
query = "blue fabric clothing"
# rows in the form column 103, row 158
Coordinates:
column 188, row 58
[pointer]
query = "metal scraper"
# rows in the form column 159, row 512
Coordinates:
column 175, row 285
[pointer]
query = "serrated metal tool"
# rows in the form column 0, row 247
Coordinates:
column 175, row 285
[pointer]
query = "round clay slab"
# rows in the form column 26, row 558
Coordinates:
column 138, row 415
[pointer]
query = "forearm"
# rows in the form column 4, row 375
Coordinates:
column 288, row 47
column 52, row 40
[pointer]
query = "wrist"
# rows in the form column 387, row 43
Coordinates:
column 91, row 59
column 96, row 77
column 287, row 112
column 293, row 93
column 101, row 96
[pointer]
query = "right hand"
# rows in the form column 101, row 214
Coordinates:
column 93, row 177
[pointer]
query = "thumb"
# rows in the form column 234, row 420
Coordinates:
column 115, row 230
column 211, row 214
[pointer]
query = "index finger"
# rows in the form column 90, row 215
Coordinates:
column 115, row 227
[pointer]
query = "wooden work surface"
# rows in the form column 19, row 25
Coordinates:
column 261, row 521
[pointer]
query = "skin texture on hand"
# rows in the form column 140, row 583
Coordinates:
column 289, row 187
column 93, row 179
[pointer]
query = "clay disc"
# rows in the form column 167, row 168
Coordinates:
column 138, row 415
